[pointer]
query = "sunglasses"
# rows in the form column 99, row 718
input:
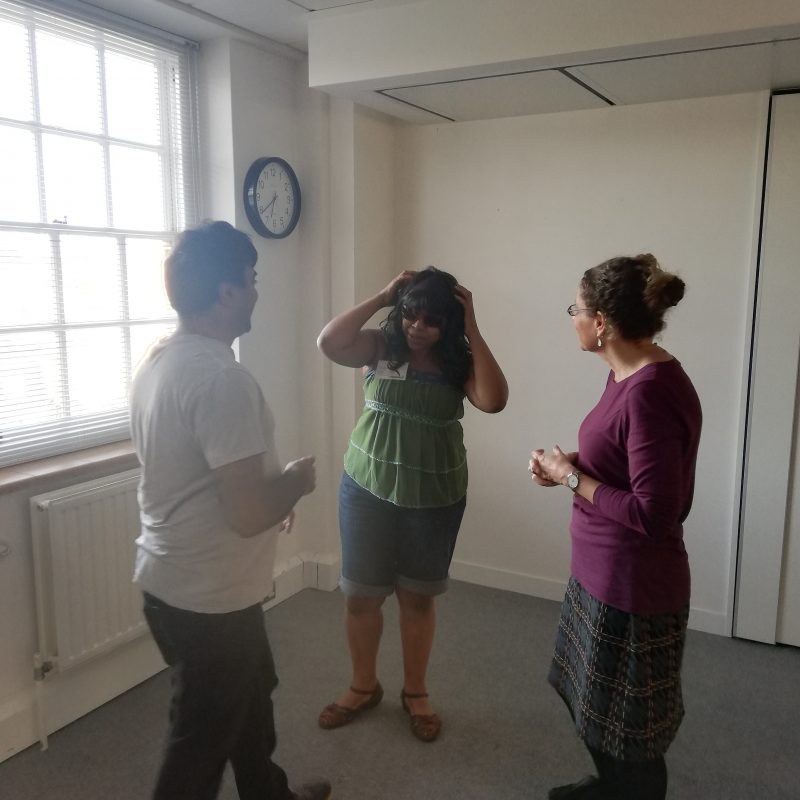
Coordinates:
column 428, row 320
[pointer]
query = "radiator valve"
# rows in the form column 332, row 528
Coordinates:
column 41, row 668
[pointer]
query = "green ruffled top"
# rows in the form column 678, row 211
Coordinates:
column 408, row 444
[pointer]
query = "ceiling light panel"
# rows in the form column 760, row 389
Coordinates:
column 727, row 70
column 321, row 5
column 504, row 96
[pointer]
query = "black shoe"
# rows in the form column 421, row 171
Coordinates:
column 586, row 789
column 313, row 790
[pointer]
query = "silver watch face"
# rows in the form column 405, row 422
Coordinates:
column 573, row 479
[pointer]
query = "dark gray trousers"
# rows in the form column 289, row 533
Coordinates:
column 223, row 676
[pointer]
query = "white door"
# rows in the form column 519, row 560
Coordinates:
column 788, row 631
column 768, row 576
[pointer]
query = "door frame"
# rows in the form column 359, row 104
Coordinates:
column 772, row 383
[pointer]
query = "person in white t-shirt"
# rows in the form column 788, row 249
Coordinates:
column 212, row 497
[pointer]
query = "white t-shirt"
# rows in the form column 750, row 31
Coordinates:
column 193, row 409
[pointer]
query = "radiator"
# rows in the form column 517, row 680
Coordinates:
column 83, row 547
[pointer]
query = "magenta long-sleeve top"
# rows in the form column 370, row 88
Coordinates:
column 640, row 441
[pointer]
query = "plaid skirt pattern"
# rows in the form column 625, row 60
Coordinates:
column 619, row 675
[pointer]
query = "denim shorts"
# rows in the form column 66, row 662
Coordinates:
column 384, row 545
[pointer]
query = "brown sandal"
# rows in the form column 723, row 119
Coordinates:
column 426, row 727
column 335, row 716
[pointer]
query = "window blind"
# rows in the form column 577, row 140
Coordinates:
column 98, row 154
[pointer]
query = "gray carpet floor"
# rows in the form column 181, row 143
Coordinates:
column 506, row 734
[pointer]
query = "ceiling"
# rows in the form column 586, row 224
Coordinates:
column 700, row 73
column 726, row 69
column 282, row 21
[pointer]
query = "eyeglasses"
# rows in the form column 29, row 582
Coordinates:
column 428, row 320
column 573, row 310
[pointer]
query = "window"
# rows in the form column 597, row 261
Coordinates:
column 97, row 175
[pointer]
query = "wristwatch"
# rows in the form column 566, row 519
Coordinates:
column 574, row 480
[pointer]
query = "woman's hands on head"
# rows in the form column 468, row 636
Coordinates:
column 551, row 469
column 464, row 296
column 486, row 388
column 345, row 340
column 392, row 291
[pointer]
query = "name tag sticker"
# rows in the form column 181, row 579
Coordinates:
column 384, row 371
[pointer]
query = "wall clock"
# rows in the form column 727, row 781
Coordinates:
column 272, row 197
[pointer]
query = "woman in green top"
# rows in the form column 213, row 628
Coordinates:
column 404, row 487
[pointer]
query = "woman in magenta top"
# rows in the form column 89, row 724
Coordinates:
column 623, row 623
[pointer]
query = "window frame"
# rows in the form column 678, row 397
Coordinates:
column 175, row 60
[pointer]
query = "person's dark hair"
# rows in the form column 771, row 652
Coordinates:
column 431, row 291
column 633, row 292
column 203, row 258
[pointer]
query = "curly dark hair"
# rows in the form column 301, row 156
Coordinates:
column 431, row 291
column 633, row 292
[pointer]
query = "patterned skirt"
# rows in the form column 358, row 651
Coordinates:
column 619, row 675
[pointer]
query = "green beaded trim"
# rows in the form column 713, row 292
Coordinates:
column 399, row 412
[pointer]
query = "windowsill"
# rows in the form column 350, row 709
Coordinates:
column 115, row 456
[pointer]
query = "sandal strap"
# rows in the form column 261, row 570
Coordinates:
column 410, row 696
column 335, row 708
column 424, row 720
column 364, row 691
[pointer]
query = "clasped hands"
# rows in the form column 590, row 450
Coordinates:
column 551, row 469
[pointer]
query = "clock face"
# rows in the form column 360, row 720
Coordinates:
column 272, row 197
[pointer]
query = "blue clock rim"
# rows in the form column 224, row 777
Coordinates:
column 248, row 196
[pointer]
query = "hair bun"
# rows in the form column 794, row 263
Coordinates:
column 674, row 290
column 647, row 260
column 662, row 290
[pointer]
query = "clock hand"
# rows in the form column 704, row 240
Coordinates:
column 272, row 203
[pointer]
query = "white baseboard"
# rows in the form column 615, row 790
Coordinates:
column 548, row 589
column 327, row 567
column 69, row 695
column 709, row 622
column 17, row 723
column 304, row 571
column 520, row 582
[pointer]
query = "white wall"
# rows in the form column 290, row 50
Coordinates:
column 517, row 209
column 258, row 104
column 362, row 196
column 374, row 171
column 266, row 119
column 319, row 533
